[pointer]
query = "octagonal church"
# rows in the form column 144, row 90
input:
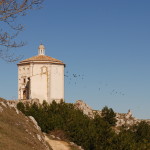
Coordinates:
column 41, row 77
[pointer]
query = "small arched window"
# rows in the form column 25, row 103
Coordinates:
column 44, row 69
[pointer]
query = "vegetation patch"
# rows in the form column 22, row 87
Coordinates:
column 91, row 134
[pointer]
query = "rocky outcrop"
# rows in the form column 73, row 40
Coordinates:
column 87, row 110
column 126, row 119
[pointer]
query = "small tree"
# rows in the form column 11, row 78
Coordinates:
column 109, row 115
column 21, row 107
column 142, row 133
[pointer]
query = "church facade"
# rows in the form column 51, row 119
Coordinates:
column 41, row 77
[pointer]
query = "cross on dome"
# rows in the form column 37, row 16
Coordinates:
column 41, row 49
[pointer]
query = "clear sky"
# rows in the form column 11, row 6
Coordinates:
column 105, row 45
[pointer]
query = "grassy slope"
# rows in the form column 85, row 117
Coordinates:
column 17, row 132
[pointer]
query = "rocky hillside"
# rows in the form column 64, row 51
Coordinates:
column 126, row 119
column 18, row 132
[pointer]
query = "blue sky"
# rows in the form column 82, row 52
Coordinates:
column 105, row 43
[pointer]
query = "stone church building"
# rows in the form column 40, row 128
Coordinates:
column 41, row 77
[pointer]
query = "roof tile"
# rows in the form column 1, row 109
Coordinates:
column 42, row 58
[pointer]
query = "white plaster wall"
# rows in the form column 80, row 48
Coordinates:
column 57, row 82
column 39, row 82
column 46, row 81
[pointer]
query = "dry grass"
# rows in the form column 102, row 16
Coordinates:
column 17, row 132
column 61, row 136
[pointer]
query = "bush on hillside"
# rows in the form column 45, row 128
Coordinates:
column 109, row 115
